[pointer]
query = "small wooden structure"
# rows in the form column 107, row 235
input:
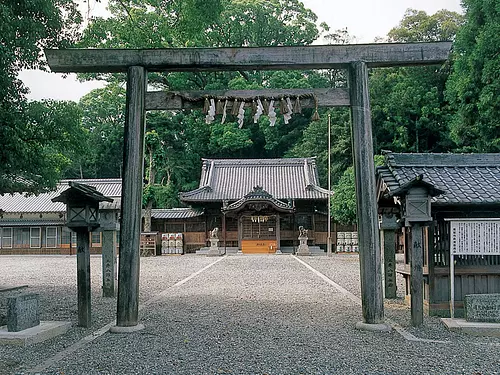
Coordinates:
column 82, row 205
column 439, row 190
column 149, row 243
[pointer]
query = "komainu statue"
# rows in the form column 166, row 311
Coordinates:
column 214, row 233
column 302, row 232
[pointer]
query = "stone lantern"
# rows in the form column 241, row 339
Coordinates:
column 82, row 216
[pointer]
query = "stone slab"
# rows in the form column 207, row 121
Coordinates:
column 482, row 307
column 126, row 329
column 373, row 327
column 23, row 312
column 215, row 251
column 472, row 328
column 44, row 331
column 8, row 288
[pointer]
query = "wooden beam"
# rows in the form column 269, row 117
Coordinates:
column 156, row 100
column 245, row 58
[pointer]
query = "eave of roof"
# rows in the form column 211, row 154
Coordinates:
column 467, row 179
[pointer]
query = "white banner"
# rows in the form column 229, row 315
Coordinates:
column 475, row 237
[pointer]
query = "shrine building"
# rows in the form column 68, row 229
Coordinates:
column 257, row 204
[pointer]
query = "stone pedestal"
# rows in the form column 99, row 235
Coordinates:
column 303, row 248
column 215, row 250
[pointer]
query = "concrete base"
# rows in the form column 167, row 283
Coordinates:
column 380, row 327
column 130, row 329
column 472, row 328
column 44, row 331
column 303, row 252
column 215, row 252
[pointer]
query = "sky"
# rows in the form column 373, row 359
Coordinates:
column 364, row 19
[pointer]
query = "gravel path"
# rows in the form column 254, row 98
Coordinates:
column 243, row 315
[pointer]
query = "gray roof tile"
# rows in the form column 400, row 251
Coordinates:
column 231, row 179
column 42, row 203
column 466, row 178
column 175, row 213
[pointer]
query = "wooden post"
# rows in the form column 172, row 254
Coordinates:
column 388, row 226
column 278, row 233
column 417, row 277
column 133, row 166
column 83, row 278
column 108, row 263
column 390, row 263
column 369, row 243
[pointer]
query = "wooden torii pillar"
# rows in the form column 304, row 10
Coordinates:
column 355, row 58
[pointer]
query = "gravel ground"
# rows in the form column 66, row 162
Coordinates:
column 244, row 315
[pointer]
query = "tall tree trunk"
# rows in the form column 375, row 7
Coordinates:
column 149, row 204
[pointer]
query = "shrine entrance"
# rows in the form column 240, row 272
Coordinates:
column 356, row 59
column 258, row 234
column 258, row 214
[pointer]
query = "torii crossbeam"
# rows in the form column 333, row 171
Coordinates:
column 355, row 58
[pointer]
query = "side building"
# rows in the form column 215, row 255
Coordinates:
column 257, row 205
column 36, row 225
column 458, row 195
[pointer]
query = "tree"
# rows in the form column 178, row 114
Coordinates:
column 343, row 201
column 315, row 143
column 37, row 150
column 104, row 118
column 474, row 85
column 26, row 28
column 175, row 142
column 418, row 26
column 409, row 111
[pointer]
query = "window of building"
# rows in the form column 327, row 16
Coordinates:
column 73, row 239
column 65, row 236
column 96, row 239
column 6, row 240
column 21, row 237
column 51, row 237
column 35, row 237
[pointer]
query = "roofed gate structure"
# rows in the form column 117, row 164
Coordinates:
column 355, row 58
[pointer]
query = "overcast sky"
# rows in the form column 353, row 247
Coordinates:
column 364, row 19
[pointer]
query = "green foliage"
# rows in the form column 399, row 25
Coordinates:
column 315, row 143
column 474, row 85
column 409, row 112
column 252, row 23
column 104, row 118
column 418, row 26
column 40, row 145
column 343, row 202
column 32, row 157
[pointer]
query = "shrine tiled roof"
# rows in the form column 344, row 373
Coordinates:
column 175, row 213
column 465, row 178
column 19, row 203
column 230, row 179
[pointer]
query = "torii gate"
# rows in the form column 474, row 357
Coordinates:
column 355, row 58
